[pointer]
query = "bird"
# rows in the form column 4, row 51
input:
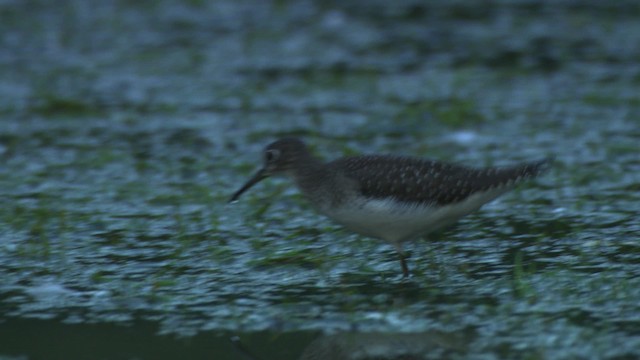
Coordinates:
column 389, row 197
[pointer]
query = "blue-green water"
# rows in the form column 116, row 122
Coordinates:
column 125, row 128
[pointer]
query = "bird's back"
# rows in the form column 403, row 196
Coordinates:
column 428, row 182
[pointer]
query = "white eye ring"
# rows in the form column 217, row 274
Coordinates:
column 271, row 155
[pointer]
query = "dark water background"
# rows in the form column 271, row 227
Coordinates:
column 125, row 126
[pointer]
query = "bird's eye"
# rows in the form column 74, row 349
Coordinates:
column 271, row 155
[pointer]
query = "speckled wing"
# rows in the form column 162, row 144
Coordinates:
column 414, row 180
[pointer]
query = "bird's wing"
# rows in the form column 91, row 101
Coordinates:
column 414, row 180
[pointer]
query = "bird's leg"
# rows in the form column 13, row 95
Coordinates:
column 405, row 268
column 403, row 259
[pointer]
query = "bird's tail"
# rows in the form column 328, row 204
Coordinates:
column 535, row 168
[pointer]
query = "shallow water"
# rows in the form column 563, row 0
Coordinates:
column 125, row 128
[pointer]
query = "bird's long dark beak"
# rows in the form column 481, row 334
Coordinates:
column 260, row 175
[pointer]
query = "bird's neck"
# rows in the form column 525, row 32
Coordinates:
column 307, row 171
column 324, row 185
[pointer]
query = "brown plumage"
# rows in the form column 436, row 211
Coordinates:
column 393, row 198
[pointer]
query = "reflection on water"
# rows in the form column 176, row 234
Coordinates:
column 371, row 346
column 381, row 346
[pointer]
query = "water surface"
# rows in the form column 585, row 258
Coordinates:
column 126, row 127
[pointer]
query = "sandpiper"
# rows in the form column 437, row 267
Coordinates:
column 393, row 198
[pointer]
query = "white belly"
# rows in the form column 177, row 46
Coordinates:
column 396, row 222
